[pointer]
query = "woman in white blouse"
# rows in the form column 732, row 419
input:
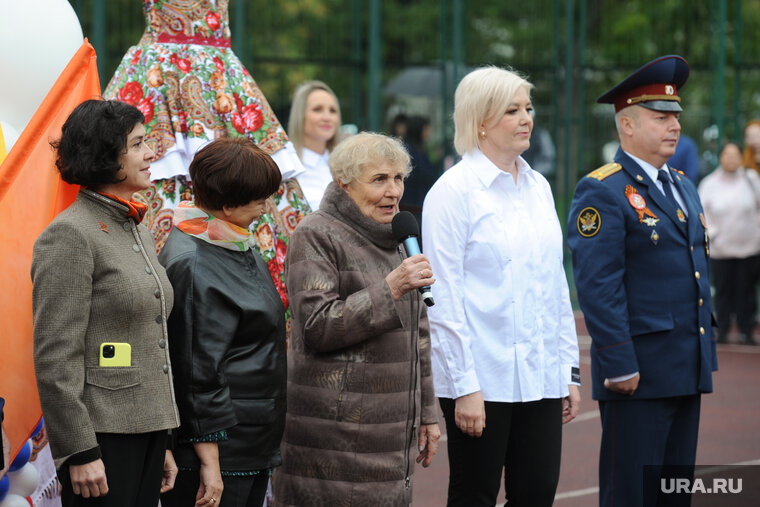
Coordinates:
column 505, row 350
column 731, row 199
column 314, row 129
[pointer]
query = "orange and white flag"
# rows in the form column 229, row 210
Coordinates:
column 31, row 195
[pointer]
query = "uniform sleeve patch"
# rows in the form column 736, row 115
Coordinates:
column 589, row 222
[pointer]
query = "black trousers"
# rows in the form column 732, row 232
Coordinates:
column 523, row 439
column 134, row 470
column 735, row 281
column 245, row 491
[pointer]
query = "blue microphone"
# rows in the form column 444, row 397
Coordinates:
column 406, row 231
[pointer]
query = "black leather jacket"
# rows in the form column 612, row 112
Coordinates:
column 228, row 352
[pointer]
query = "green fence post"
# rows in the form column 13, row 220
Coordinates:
column 445, row 87
column 738, row 133
column 719, row 98
column 356, row 57
column 239, row 41
column 374, row 71
column 99, row 37
column 569, row 44
column 581, row 99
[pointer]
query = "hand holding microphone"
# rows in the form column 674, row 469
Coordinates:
column 414, row 272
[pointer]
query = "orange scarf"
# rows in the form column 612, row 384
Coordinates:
column 137, row 210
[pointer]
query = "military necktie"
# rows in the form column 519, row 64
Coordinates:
column 662, row 175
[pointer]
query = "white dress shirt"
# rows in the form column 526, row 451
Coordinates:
column 502, row 323
column 316, row 177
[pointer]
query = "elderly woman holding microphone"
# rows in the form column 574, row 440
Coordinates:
column 360, row 393
column 505, row 351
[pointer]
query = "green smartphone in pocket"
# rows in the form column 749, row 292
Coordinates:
column 115, row 354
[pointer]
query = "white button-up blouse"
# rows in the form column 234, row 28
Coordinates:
column 316, row 177
column 502, row 323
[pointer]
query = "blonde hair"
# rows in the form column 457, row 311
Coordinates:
column 366, row 149
column 481, row 97
column 298, row 113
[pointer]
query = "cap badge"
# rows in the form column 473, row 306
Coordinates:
column 669, row 90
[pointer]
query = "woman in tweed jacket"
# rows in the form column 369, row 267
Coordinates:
column 360, row 393
column 97, row 281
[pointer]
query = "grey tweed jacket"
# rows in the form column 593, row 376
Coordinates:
column 97, row 279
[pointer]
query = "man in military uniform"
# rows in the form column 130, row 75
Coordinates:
column 640, row 257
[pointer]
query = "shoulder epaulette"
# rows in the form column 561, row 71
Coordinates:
column 604, row 171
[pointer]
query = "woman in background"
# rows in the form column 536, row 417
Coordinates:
column 731, row 199
column 505, row 351
column 423, row 173
column 314, row 129
column 752, row 145
column 101, row 300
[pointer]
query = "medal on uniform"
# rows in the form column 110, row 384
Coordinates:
column 650, row 221
column 654, row 237
column 681, row 216
column 638, row 203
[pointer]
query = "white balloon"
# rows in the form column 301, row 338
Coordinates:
column 24, row 480
column 14, row 501
column 10, row 134
column 37, row 40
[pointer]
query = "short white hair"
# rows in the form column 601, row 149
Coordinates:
column 366, row 149
column 482, row 96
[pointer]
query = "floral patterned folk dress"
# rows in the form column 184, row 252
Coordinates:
column 192, row 89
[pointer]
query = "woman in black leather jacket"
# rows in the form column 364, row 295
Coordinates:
column 226, row 332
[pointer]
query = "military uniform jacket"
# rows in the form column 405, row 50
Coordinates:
column 97, row 279
column 641, row 271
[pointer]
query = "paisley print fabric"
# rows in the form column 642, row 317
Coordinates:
column 187, row 81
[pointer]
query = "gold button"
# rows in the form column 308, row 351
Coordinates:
column 701, row 330
column 701, row 301
column 697, row 275
column 692, row 248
